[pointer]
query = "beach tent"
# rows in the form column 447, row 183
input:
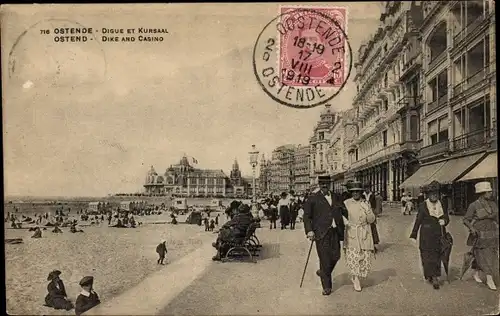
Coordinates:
column 194, row 218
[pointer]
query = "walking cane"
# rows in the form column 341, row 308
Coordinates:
column 307, row 261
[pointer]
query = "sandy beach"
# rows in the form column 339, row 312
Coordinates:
column 118, row 258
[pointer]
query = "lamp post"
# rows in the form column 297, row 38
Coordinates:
column 254, row 157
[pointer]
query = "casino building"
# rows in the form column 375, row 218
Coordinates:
column 184, row 180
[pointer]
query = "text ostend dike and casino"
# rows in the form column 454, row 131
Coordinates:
column 139, row 34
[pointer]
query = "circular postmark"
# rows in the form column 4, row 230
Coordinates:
column 302, row 58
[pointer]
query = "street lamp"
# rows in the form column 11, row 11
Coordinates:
column 254, row 160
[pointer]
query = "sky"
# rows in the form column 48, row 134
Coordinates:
column 89, row 119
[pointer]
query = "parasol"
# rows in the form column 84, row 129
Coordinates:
column 468, row 259
column 446, row 245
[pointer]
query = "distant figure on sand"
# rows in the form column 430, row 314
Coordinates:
column 38, row 233
column 87, row 298
column 74, row 230
column 217, row 220
column 57, row 230
column 161, row 250
column 207, row 226
column 57, row 297
column 212, row 225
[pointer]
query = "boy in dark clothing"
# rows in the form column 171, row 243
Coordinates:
column 212, row 225
column 161, row 250
column 205, row 222
column 87, row 298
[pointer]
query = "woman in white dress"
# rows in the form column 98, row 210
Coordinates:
column 358, row 240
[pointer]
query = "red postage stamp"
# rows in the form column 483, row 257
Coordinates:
column 312, row 46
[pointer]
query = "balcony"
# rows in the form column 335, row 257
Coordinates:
column 411, row 145
column 435, row 149
column 473, row 140
column 468, row 83
column 437, row 104
column 438, row 60
column 465, row 33
column 410, row 66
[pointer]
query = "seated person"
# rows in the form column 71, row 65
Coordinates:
column 57, row 230
column 74, row 230
column 87, row 298
column 233, row 231
column 57, row 297
column 232, row 209
column 119, row 224
column 38, row 233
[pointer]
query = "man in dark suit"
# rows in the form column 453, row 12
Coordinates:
column 370, row 199
column 323, row 223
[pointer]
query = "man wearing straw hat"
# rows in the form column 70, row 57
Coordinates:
column 324, row 224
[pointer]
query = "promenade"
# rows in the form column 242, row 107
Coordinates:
column 198, row 286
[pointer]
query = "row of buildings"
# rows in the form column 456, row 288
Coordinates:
column 425, row 107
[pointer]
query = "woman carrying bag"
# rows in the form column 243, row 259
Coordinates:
column 431, row 220
column 482, row 221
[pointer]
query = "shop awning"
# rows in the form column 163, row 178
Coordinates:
column 421, row 176
column 454, row 168
column 488, row 168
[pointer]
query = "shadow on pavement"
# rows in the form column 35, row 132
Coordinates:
column 269, row 251
column 378, row 277
column 384, row 246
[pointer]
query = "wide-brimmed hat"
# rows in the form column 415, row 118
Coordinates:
column 53, row 274
column 283, row 194
column 434, row 186
column 235, row 204
column 355, row 186
column 243, row 208
column 87, row 280
column 482, row 187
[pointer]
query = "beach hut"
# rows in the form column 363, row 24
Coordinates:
column 93, row 207
column 180, row 204
column 125, row 206
column 194, row 217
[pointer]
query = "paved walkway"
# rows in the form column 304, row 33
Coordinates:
column 195, row 285
column 395, row 286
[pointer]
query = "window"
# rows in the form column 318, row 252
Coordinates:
column 321, row 135
column 438, row 130
column 335, row 166
column 384, row 138
column 386, row 104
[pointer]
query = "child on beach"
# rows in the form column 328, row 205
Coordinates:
column 161, row 250
column 87, row 298
column 212, row 225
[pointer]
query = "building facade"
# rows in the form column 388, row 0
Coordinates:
column 319, row 144
column 282, row 164
column 301, row 174
column 459, row 93
column 264, row 175
column 386, row 103
column 182, row 179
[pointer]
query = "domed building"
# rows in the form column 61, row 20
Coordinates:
column 183, row 179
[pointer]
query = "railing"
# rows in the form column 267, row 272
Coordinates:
column 462, row 34
column 472, row 140
column 437, row 103
column 437, row 59
column 435, row 149
column 471, row 81
column 411, row 145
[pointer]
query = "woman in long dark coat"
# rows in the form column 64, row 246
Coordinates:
column 431, row 220
column 57, row 297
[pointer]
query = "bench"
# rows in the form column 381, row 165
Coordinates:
column 249, row 245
